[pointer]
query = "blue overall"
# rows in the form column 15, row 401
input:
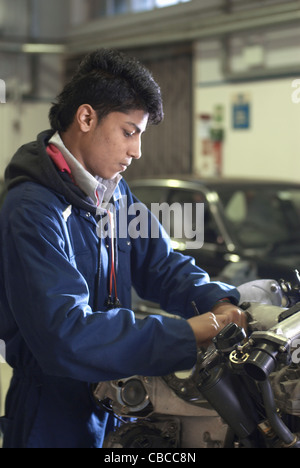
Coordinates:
column 60, row 336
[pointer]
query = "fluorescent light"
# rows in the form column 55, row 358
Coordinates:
column 43, row 48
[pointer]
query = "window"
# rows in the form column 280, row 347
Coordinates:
column 100, row 8
column 150, row 195
column 206, row 224
column 262, row 216
column 184, row 213
column 165, row 3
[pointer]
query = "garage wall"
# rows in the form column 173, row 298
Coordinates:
column 167, row 148
column 267, row 147
column 19, row 124
column 270, row 147
column 269, row 144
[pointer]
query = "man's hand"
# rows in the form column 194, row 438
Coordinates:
column 234, row 313
column 207, row 326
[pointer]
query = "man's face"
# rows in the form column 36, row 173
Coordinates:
column 109, row 147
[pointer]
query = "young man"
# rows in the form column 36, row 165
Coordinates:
column 65, row 278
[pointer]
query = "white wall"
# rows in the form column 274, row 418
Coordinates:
column 270, row 147
column 20, row 124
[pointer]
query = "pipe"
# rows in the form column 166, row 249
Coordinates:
column 275, row 421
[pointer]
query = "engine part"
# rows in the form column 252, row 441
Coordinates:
column 145, row 435
column 232, row 395
column 272, row 347
column 227, row 394
column 229, row 337
column 262, row 292
column 196, row 418
column 291, row 291
column 286, row 387
column 262, row 317
column 282, row 431
column 126, row 397
column 133, row 394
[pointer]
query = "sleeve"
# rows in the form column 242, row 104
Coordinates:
column 170, row 278
column 49, row 299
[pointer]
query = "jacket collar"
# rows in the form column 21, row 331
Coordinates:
column 99, row 190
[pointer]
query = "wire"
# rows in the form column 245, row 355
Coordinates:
column 113, row 276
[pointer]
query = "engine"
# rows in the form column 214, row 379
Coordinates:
column 244, row 391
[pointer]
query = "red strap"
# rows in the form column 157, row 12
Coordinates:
column 113, row 278
column 58, row 159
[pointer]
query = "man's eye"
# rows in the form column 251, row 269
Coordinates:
column 128, row 134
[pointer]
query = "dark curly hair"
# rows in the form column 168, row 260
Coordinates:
column 109, row 81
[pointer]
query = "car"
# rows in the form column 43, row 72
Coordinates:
column 251, row 228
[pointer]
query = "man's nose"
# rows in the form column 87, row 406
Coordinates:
column 136, row 149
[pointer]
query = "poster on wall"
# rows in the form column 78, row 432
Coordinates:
column 241, row 111
column 211, row 136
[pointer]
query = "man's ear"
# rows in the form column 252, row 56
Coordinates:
column 86, row 117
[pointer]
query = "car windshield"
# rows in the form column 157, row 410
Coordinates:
column 262, row 216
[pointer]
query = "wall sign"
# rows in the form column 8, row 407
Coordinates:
column 241, row 111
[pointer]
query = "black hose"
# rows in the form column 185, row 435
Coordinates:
column 275, row 421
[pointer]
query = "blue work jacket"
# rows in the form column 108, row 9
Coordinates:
column 59, row 334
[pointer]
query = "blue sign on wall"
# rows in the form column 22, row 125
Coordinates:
column 241, row 113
